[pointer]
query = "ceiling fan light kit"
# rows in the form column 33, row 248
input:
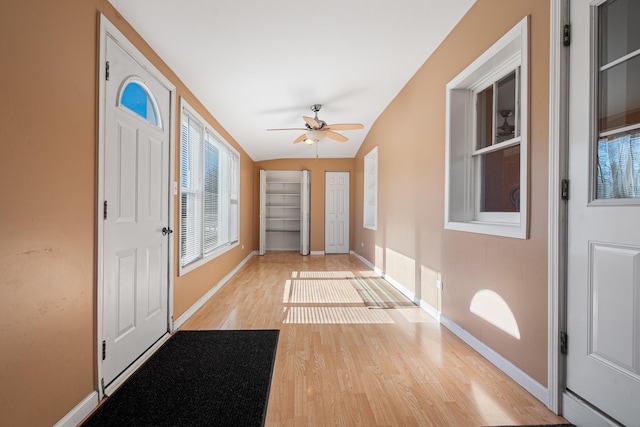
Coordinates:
column 317, row 130
column 314, row 136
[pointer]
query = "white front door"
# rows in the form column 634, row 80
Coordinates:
column 603, row 294
column 336, row 223
column 136, row 207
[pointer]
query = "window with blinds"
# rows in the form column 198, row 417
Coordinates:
column 209, row 191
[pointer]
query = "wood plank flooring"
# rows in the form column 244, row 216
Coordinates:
column 340, row 363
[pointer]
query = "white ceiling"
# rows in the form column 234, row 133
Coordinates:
column 257, row 64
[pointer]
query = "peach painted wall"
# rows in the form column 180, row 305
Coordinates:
column 317, row 170
column 411, row 244
column 48, row 130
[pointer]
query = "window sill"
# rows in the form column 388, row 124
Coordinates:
column 197, row 263
column 502, row 229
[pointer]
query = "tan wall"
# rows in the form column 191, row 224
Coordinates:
column 317, row 170
column 48, row 52
column 411, row 244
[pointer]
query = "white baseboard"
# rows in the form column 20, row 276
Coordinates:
column 80, row 412
column 581, row 414
column 532, row 386
column 431, row 310
column 519, row 376
column 198, row 304
column 316, row 253
column 368, row 264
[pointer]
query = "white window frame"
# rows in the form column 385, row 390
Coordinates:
column 462, row 177
column 370, row 198
column 231, row 180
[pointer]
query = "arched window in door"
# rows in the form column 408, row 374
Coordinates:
column 136, row 97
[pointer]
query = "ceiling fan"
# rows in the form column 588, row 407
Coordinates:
column 316, row 129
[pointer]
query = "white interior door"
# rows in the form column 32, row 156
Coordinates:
column 336, row 215
column 603, row 308
column 136, row 208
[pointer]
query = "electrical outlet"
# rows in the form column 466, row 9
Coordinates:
column 242, row 247
column 362, row 244
column 439, row 284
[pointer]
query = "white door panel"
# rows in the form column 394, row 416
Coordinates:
column 603, row 293
column 136, row 185
column 337, row 213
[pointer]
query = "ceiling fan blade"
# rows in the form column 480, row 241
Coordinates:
column 336, row 136
column 345, row 126
column 290, row 129
column 312, row 122
column 300, row 138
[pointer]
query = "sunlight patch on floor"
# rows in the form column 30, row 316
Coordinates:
column 335, row 315
column 416, row 315
column 368, row 274
column 490, row 410
column 322, row 274
column 323, row 292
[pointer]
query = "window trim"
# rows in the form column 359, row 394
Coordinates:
column 206, row 128
column 461, row 174
column 371, row 160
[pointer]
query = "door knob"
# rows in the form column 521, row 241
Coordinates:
column 166, row 231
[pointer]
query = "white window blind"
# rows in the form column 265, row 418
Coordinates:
column 209, row 192
column 191, row 195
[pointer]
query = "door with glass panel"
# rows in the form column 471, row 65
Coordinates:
column 135, row 213
column 603, row 293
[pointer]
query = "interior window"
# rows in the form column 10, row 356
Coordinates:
column 498, row 145
column 486, row 140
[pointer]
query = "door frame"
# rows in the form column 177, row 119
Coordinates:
column 107, row 29
column 560, row 400
column 557, row 215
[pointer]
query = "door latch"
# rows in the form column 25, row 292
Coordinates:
column 564, row 341
column 166, row 231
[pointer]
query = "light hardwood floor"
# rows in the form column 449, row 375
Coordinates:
column 340, row 363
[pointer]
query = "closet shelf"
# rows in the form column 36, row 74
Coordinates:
column 282, row 223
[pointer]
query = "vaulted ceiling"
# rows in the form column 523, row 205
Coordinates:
column 257, row 64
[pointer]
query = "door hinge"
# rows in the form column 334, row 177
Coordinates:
column 104, row 349
column 565, row 189
column 102, row 385
column 563, row 342
column 106, row 71
column 104, row 210
column 566, row 35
